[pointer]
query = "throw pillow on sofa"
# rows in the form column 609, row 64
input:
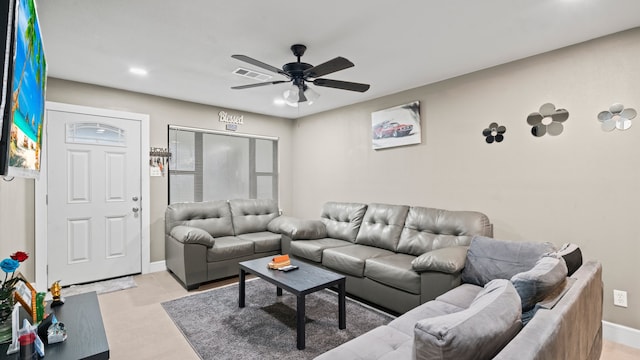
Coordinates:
column 489, row 259
column 545, row 277
column 572, row 257
column 478, row 332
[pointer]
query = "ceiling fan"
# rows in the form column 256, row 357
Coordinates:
column 299, row 74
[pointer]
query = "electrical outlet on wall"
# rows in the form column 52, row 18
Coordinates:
column 620, row 298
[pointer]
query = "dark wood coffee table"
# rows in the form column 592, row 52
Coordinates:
column 300, row 282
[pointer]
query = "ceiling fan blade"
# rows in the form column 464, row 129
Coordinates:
column 328, row 67
column 258, row 63
column 258, row 84
column 344, row 85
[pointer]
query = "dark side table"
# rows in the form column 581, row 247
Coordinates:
column 86, row 338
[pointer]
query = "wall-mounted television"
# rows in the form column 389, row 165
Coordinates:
column 24, row 81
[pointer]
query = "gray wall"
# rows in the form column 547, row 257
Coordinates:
column 17, row 224
column 582, row 186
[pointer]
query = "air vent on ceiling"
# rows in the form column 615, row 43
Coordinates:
column 252, row 74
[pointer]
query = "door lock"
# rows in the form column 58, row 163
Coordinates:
column 135, row 209
column 135, row 198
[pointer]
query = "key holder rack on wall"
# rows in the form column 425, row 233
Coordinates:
column 159, row 157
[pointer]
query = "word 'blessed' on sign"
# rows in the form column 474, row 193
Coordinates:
column 230, row 119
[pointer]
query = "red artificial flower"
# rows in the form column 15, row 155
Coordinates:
column 20, row 256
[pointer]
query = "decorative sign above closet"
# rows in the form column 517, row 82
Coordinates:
column 230, row 119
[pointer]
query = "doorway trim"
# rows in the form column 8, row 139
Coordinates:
column 41, row 190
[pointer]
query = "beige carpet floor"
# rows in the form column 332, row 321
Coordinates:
column 137, row 326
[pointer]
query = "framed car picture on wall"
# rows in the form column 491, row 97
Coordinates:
column 396, row 126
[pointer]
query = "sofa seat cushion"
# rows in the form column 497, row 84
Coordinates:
column 461, row 296
column 312, row 249
column 383, row 342
column 351, row 259
column 407, row 322
column 394, row 271
column 229, row 247
column 489, row 259
column 263, row 241
column 479, row 332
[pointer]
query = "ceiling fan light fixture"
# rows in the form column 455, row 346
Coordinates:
column 311, row 95
column 291, row 96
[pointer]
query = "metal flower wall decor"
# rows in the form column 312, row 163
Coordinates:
column 547, row 120
column 617, row 117
column 494, row 133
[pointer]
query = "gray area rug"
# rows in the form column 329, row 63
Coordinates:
column 101, row 287
column 217, row 328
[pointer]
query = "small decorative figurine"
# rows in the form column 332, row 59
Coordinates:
column 56, row 333
column 56, row 293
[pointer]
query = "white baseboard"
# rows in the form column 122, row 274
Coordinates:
column 157, row 266
column 621, row 334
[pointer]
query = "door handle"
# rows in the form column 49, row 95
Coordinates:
column 135, row 209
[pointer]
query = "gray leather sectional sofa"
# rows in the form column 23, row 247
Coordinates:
column 204, row 241
column 486, row 322
column 394, row 256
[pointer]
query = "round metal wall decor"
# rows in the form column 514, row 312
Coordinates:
column 617, row 117
column 547, row 121
column 494, row 133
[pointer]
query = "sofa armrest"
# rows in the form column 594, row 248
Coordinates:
column 192, row 235
column 447, row 260
column 298, row 229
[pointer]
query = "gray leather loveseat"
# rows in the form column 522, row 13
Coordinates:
column 204, row 241
column 395, row 256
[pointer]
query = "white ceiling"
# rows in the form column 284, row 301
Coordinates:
column 186, row 46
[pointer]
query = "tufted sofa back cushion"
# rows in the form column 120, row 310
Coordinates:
column 252, row 215
column 429, row 229
column 212, row 216
column 342, row 220
column 382, row 226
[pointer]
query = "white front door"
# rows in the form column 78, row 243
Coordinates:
column 94, row 190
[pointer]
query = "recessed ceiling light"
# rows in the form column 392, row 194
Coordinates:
column 138, row 71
